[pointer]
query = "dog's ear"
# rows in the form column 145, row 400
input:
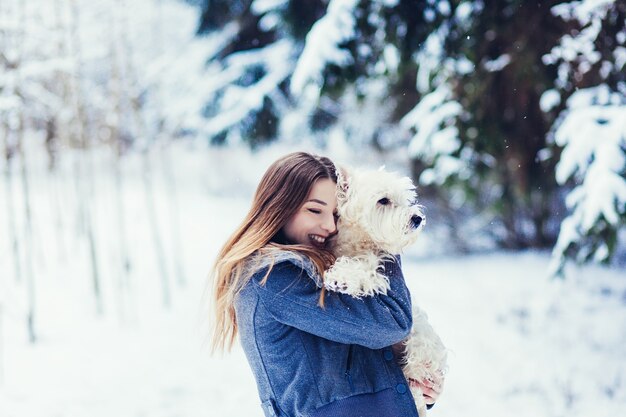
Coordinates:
column 343, row 180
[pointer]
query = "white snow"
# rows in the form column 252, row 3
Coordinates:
column 429, row 58
column 620, row 57
column 592, row 134
column 498, row 64
column 464, row 11
column 584, row 11
column 443, row 6
column 577, row 50
column 238, row 102
column 391, row 57
column 436, row 136
column 260, row 7
column 322, row 45
column 549, row 100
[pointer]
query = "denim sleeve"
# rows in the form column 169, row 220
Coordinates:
column 292, row 298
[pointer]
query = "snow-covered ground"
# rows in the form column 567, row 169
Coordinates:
column 520, row 343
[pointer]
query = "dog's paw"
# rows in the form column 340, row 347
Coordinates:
column 356, row 276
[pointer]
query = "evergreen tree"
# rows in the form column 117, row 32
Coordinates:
column 591, row 84
column 462, row 85
column 491, row 60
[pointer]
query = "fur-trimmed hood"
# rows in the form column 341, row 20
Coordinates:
column 270, row 257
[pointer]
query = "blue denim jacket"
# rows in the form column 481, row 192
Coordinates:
column 334, row 361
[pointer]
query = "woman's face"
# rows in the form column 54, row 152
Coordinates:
column 315, row 220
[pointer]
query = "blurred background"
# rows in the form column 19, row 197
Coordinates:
column 133, row 135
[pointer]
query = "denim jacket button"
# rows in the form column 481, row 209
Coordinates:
column 388, row 354
column 401, row 388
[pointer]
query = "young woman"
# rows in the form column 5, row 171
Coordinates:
column 313, row 353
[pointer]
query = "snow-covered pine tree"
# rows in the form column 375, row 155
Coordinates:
column 481, row 125
column 241, row 92
column 590, row 130
column 286, row 69
column 457, row 83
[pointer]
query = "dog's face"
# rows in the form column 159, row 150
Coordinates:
column 382, row 205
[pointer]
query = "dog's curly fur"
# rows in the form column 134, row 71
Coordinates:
column 379, row 217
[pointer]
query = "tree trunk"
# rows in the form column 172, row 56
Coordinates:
column 1, row 344
column 81, row 166
column 166, row 161
column 9, row 152
column 28, row 232
column 115, row 82
column 147, row 174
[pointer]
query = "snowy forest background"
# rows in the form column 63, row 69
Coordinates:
column 134, row 133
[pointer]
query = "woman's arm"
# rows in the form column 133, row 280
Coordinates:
column 292, row 297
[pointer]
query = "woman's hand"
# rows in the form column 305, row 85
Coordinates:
column 431, row 389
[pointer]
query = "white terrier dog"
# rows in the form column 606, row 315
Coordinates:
column 379, row 217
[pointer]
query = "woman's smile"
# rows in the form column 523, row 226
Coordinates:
column 317, row 240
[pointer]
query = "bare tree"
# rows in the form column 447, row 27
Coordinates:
column 132, row 87
column 8, row 64
column 1, row 344
column 170, row 178
column 81, row 164
column 119, row 148
column 55, row 130
column 24, row 178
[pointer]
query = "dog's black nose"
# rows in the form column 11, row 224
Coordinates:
column 416, row 221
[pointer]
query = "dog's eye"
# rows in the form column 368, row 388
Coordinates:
column 384, row 201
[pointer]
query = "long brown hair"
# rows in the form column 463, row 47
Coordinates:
column 280, row 194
